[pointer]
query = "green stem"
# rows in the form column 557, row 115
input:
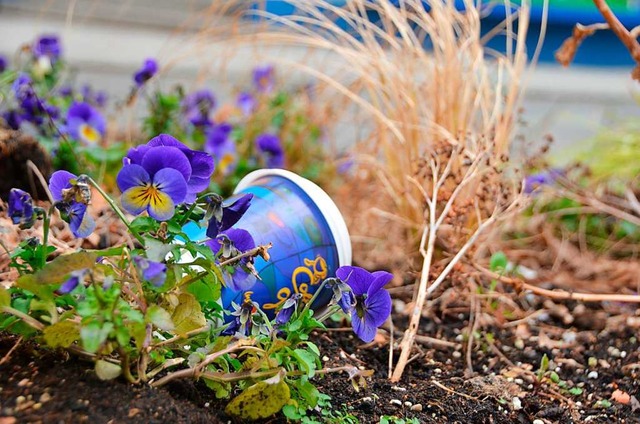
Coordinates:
column 188, row 214
column 34, row 323
column 328, row 312
column 46, row 224
column 116, row 209
column 307, row 306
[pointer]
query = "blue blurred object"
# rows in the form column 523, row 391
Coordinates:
column 601, row 49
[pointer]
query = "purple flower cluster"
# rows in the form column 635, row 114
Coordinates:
column 67, row 196
column 222, row 147
column 30, row 107
column 534, row 182
column 197, row 106
column 270, row 147
column 369, row 305
column 47, row 46
column 161, row 174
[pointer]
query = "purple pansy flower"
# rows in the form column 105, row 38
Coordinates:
column 269, row 145
column 151, row 271
column 229, row 244
column 222, row 220
column 32, row 109
column 242, row 324
column 21, row 208
column 146, row 72
column 85, row 123
column 545, row 178
column 96, row 98
column 264, row 78
column 288, row 308
column 342, row 295
column 4, row 62
column 221, row 146
column 373, row 305
column 13, row 119
column 246, row 103
column 47, row 46
column 73, row 210
column 197, row 106
column 72, row 282
column 200, row 163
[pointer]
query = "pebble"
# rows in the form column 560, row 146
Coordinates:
column 538, row 422
column 398, row 389
column 614, row 351
column 367, row 399
column 437, row 371
column 207, row 404
column 24, row 382
column 417, row 407
column 395, row 402
column 592, row 375
column 519, row 344
column 517, row 403
column 408, row 404
column 325, row 358
column 20, row 399
column 45, row 397
column 456, row 354
column 519, row 381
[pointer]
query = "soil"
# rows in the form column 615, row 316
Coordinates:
column 592, row 377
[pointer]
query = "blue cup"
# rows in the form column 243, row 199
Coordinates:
column 309, row 236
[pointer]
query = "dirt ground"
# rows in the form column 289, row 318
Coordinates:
column 592, row 377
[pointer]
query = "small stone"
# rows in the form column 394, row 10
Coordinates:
column 24, row 382
column 517, row 403
column 20, row 399
column 519, row 381
column 133, row 412
column 45, row 397
column 207, row 404
column 614, row 351
column 592, row 362
column 623, row 354
column 398, row 389
column 437, row 371
column 519, row 344
column 408, row 404
column 593, row 375
column 367, row 399
column 417, row 407
column 37, row 406
column 538, row 422
column 395, row 402
column 325, row 358
column 456, row 354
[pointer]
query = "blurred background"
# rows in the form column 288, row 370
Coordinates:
column 106, row 41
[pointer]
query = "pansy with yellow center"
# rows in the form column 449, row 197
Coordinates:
column 157, row 185
column 86, row 124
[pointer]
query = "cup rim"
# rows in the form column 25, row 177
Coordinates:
column 329, row 209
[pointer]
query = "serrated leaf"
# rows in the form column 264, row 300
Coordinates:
column 160, row 318
column 188, row 314
column 107, row 370
column 261, row 400
column 61, row 334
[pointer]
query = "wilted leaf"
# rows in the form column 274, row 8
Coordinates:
column 5, row 297
column 107, row 370
column 188, row 314
column 56, row 270
column 261, row 400
column 156, row 250
column 160, row 318
column 61, row 334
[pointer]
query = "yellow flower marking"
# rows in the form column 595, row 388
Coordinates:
column 89, row 134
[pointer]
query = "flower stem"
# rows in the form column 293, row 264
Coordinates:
column 46, row 223
column 307, row 306
column 116, row 209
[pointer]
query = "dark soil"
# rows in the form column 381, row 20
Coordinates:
column 38, row 385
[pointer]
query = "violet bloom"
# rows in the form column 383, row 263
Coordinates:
column 545, row 178
column 264, row 78
column 229, row 244
column 151, row 271
column 197, row 106
column 222, row 147
column 246, row 103
column 3, row 63
column 47, row 46
column 288, row 308
column 224, row 217
column 21, row 208
column 13, row 119
column 157, row 185
column 146, row 72
column 85, row 123
column 71, row 200
column 373, row 305
column 72, row 282
column 342, row 295
column 269, row 145
column 200, row 163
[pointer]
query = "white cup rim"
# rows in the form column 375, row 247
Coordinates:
column 326, row 205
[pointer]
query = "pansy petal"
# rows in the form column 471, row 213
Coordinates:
column 59, row 181
column 132, row 176
column 380, row 279
column 377, row 307
column 241, row 239
column 161, row 207
column 201, row 169
column 135, row 200
column 165, row 140
column 170, row 182
column 357, row 278
column 363, row 329
column 240, row 280
column 166, row 157
column 135, row 155
column 80, row 222
column 232, row 213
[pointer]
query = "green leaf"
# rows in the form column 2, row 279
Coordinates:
column 61, row 334
column 261, row 400
column 145, row 224
column 107, row 370
column 29, row 282
column 498, row 262
column 5, row 297
column 160, row 318
column 576, row 391
column 307, row 361
column 188, row 314
column 94, row 334
column 205, row 289
column 56, row 270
